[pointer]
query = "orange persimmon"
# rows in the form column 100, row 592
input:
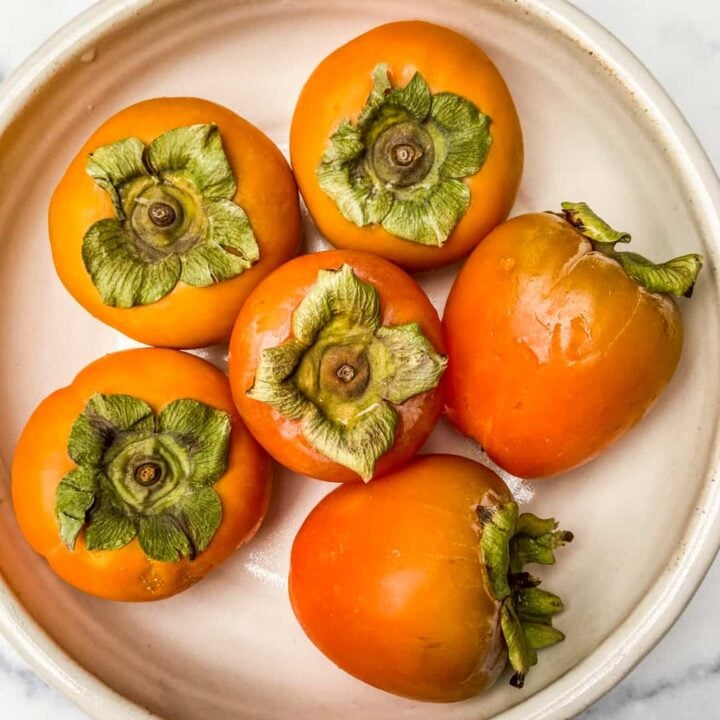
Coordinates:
column 415, row 583
column 559, row 343
column 405, row 142
column 169, row 215
column 335, row 364
column 139, row 477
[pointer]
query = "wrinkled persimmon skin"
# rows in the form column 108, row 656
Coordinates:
column 449, row 62
column 265, row 321
column 387, row 580
column 188, row 316
column 41, row 460
column 554, row 351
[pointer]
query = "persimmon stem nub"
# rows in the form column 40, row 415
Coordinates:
column 148, row 473
column 162, row 214
column 345, row 372
column 405, row 154
column 674, row 277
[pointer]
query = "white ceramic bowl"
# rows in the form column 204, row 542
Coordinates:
column 597, row 128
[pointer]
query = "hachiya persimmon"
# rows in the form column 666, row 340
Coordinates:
column 335, row 365
column 405, row 142
column 138, row 478
column 415, row 583
column 169, row 215
column 560, row 343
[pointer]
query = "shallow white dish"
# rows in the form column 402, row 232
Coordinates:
column 597, row 128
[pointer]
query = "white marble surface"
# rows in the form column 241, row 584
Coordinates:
column 680, row 43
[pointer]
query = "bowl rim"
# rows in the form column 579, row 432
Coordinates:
column 616, row 656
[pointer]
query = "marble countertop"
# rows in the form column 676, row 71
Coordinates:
column 680, row 43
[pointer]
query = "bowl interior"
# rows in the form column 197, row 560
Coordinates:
column 230, row 647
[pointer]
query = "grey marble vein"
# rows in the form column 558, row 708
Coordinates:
column 680, row 43
column 629, row 695
column 24, row 696
column 25, row 680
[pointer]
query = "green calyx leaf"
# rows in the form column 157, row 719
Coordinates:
column 196, row 154
column 175, row 217
column 411, row 362
column 120, row 273
column 114, row 167
column 74, row 497
column 342, row 372
column 336, row 292
column 357, row 445
column 674, row 277
column 181, row 419
column 162, row 538
column 108, row 527
column 104, row 417
column 509, row 541
column 402, row 164
column 144, row 475
column 231, row 248
column 498, row 527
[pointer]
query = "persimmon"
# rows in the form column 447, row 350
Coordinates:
column 415, row 583
column 172, row 211
column 405, row 142
column 335, row 365
column 139, row 477
column 560, row 343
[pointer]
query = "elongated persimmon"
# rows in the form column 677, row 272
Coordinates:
column 559, row 343
column 405, row 142
column 415, row 583
column 172, row 211
column 138, row 478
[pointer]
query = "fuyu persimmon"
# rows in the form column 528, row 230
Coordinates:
column 405, row 142
column 169, row 215
column 415, row 583
column 335, row 365
column 138, row 478
column 558, row 342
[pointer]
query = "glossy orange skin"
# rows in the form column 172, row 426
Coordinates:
column 264, row 321
column 555, row 352
column 188, row 316
column 41, row 460
column 449, row 62
column 388, row 581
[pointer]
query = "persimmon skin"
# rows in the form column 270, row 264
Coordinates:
column 265, row 321
column 555, row 352
column 387, row 580
column 157, row 376
column 188, row 316
column 449, row 62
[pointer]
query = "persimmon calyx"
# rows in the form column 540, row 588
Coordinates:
column 675, row 277
column 175, row 217
column 145, row 476
column 508, row 542
column 341, row 372
column 403, row 162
